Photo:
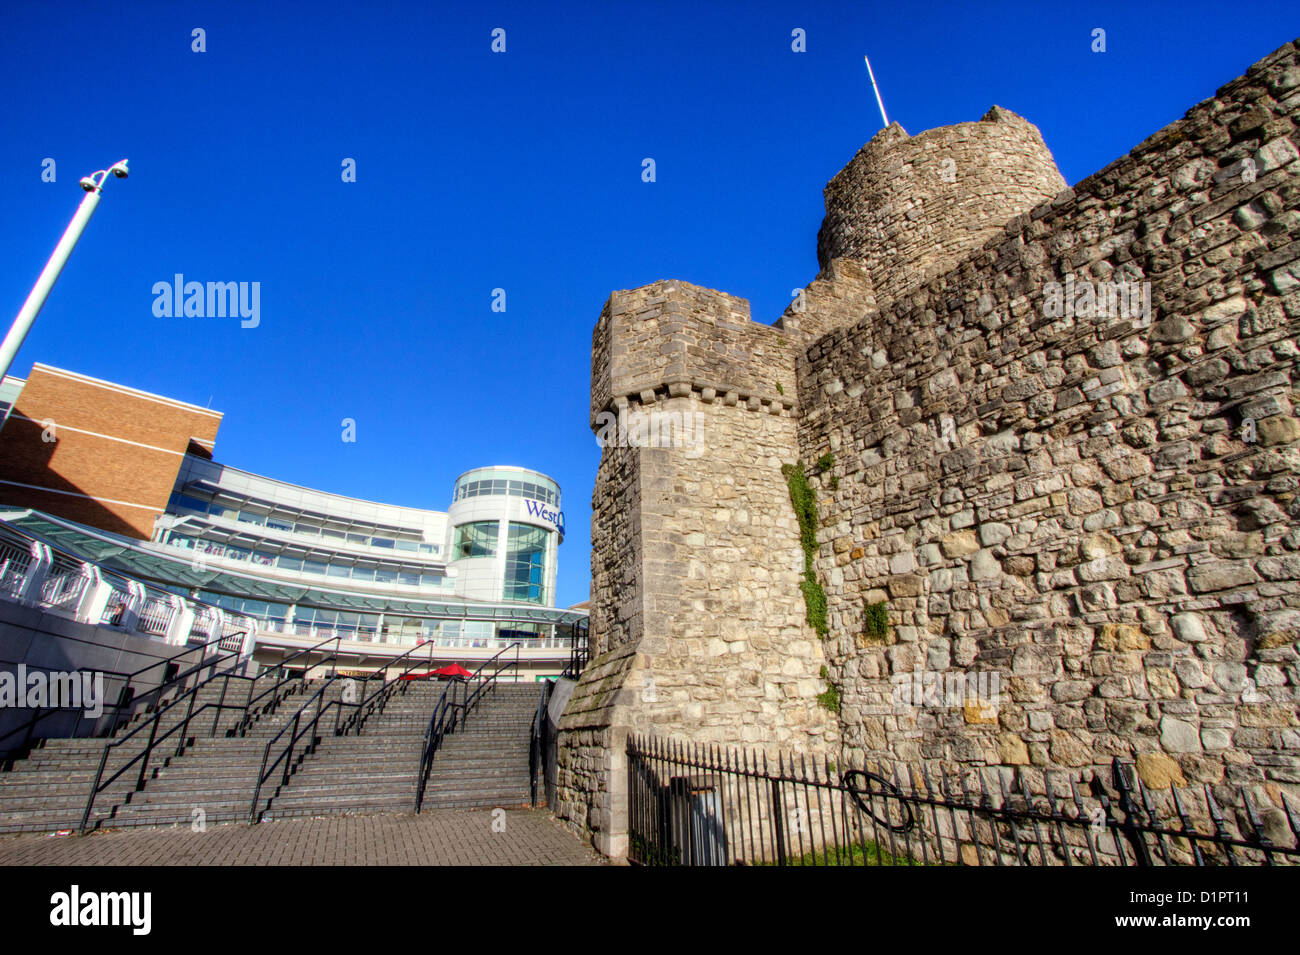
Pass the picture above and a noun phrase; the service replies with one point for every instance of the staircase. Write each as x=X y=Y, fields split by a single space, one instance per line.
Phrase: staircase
x=485 y=763
x=47 y=791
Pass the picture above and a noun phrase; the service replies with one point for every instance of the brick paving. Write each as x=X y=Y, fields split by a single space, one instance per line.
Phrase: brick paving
x=435 y=837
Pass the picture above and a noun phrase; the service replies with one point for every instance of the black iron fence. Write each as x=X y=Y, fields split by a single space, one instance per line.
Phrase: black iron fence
x=692 y=804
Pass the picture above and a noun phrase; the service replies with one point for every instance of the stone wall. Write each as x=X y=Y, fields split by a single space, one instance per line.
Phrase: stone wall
x=1064 y=467
x=911 y=208
x=1101 y=509
x=697 y=621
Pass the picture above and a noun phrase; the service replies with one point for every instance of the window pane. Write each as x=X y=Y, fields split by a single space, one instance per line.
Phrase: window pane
x=475 y=540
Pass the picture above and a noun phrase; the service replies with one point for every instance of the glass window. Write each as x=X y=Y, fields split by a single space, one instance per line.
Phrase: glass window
x=384 y=575
x=307 y=529
x=432 y=580
x=358 y=539
x=189 y=503
x=314 y=566
x=248 y=517
x=382 y=542
x=407 y=545
x=339 y=570
x=525 y=563
x=475 y=540
x=408 y=577
x=279 y=524
x=289 y=563
x=363 y=573
x=333 y=534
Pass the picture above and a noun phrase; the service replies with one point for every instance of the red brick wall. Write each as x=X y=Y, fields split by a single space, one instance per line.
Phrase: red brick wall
x=109 y=484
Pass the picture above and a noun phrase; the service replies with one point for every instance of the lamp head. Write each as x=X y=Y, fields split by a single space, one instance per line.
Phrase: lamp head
x=120 y=170
x=88 y=184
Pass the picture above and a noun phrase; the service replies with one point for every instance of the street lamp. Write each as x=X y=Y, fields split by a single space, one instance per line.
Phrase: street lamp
x=94 y=186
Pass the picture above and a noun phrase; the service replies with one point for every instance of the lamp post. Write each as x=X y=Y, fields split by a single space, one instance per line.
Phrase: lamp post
x=94 y=185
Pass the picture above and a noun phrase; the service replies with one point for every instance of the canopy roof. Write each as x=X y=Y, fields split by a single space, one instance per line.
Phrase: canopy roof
x=152 y=563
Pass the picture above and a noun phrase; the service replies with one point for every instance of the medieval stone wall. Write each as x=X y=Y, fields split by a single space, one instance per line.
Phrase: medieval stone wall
x=1064 y=471
x=1099 y=506
x=911 y=208
x=697 y=621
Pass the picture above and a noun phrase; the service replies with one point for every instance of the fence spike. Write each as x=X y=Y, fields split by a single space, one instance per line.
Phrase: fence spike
x=1291 y=819
x=1260 y=837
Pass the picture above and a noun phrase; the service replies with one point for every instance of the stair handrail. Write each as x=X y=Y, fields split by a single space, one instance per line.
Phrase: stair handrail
x=286 y=754
x=448 y=714
x=377 y=699
x=281 y=680
x=539 y=741
x=125 y=695
x=362 y=710
x=155 y=740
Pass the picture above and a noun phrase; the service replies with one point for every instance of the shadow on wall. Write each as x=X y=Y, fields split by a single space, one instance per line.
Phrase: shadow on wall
x=26 y=458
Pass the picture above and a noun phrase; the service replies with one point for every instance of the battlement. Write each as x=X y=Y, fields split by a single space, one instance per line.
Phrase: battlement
x=1050 y=433
x=672 y=339
x=910 y=208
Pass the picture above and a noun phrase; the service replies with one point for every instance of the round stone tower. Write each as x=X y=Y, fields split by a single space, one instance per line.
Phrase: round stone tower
x=912 y=207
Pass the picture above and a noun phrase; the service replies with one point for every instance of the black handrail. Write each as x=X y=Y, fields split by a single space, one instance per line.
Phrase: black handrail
x=356 y=721
x=579 y=651
x=448 y=714
x=125 y=695
x=281 y=680
x=372 y=702
x=100 y=784
x=287 y=753
x=539 y=743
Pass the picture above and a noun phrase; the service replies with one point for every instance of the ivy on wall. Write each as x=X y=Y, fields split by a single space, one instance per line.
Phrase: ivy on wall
x=805 y=511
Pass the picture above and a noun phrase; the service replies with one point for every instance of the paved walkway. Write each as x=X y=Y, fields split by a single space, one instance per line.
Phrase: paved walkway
x=435 y=837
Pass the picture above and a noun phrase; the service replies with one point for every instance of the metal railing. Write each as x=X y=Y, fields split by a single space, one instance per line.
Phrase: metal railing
x=181 y=728
x=284 y=684
x=64 y=587
x=125 y=701
x=691 y=804
x=301 y=724
x=448 y=714
x=580 y=651
x=539 y=745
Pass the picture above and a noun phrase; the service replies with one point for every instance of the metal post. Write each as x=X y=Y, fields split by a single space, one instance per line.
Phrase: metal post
x=50 y=274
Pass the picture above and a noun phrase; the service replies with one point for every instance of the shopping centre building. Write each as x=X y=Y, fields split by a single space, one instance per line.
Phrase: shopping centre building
x=126 y=480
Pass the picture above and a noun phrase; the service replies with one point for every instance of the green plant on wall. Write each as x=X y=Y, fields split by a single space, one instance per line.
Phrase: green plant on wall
x=826 y=461
x=805 y=511
x=831 y=698
x=779 y=389
x=875 y=625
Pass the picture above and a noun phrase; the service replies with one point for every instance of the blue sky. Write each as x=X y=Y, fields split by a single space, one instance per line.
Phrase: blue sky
x=479 y=170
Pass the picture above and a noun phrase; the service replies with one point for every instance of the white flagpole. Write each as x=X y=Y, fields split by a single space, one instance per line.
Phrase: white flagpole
x=879 y=101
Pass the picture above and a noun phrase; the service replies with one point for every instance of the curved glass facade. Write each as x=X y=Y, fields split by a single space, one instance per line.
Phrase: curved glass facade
x=516 y=482
x=525 y=563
